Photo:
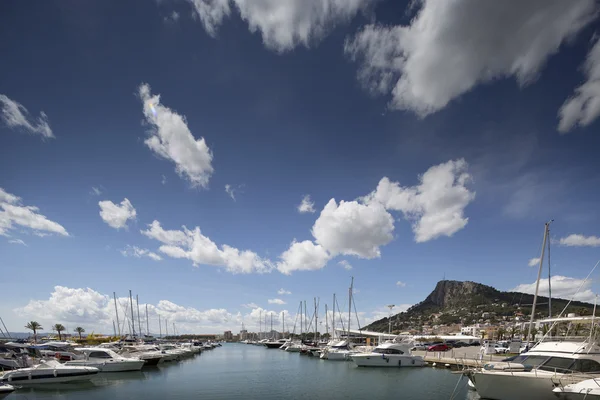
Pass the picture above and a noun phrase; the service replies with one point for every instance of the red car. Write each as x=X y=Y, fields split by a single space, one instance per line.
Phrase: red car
x=438 y=347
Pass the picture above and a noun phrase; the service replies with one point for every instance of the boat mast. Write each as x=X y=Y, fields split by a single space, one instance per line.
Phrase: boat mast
x=166 y=327
x=271 y=333
x=315 y=300
x=117 y=313
x=326 y=322
x=260 y=326
x=350 y=306
x=147 y=323
x=132 y=325
x=549 y=280
x=159 y=326
x=114 y=328
x=333 y=322
x=137 y=302
x=537 y=283
x=301 y=327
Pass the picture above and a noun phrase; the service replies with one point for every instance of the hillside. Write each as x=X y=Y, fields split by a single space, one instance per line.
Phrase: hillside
x=465 y=302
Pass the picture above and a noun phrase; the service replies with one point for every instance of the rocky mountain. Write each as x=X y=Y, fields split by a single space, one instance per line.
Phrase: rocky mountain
x=466 y=302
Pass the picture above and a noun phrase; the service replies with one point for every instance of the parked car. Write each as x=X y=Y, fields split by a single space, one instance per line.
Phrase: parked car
x=438 y=347
x=419 y=347
x=474 y=344
x=499 y=349
x=460 y=344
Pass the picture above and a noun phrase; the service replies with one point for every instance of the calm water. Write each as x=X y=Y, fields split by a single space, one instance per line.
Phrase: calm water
x=252 y=372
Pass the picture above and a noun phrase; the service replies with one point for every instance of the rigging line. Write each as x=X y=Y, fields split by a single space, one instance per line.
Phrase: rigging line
x=340 y=313
x=356 y=313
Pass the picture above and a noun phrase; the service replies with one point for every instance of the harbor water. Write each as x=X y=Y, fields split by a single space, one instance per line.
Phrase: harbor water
x=255 y=372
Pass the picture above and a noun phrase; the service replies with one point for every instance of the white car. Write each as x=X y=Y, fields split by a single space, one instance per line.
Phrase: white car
x=499 y=349
x=420 y=347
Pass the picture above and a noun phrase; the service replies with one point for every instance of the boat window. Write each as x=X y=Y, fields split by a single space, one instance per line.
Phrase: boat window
x=515 y=359
x=583 y=365
x=99 y=354
x=534 y=361
x=558 y=364
x=388 y=351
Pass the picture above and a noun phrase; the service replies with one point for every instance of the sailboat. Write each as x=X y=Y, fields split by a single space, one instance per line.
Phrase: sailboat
x=534 y=374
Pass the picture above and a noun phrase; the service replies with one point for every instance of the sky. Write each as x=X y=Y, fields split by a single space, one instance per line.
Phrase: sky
x=228 y=159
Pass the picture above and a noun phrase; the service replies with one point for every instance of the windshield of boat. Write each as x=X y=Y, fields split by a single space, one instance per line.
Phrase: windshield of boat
x=558 y=364
x=388 y=351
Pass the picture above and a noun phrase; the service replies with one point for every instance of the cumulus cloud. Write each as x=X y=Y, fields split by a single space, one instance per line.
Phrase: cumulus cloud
x=17 y=241
x=14 y=213
x=533 y=262
x=194 y=246
x=303 y=256
x=345 y=264
x=580 y=240
x=171 y=139
x=584 y=106
x=435 y=206
x=450 y=47
x=400 y=284
x=306 y=205
x=276 y=301
x=352 y=228
x=14 y=115
x=116 y=216
x=250 y=305
x=95 y=312
x=563 y=287
x=282 y=291
x=134 y=251
x=283 y=24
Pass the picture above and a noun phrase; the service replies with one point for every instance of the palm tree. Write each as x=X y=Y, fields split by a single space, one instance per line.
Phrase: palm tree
x=59 y=328
x=500 y=333
x=513 y=331
x=79 y=330
x=34 y=326
x=534 y=332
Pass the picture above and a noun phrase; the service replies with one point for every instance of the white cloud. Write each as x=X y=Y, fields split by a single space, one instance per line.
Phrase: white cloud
x=452 y=46
x=400 y=284
x=436 y=206
x=173 y=17
x=534 y=262
x=171 y=139
x=303 y=256
x=282 y=291
x=13 y=213
x=580 y=240
x=14 y=116
x=384 y=312
x=17 y=241
x=95 y=312
x=584 y=106
x=276 y=301
x=250 y=305
x=164 y=180
x=134 y=251
x=194 y=246
x=563 y=287
x=345 y=264
x=353 y=228
x=117 y=216
x=232 y=191
x=283 y=24
x=95 y=191
x=306 y=206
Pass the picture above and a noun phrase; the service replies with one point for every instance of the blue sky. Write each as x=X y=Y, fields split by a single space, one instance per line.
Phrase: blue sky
x=123 y=122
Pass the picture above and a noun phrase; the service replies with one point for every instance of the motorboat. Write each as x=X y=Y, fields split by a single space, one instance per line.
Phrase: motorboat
x=5 y=389
x=338 y=351
x=149 y=354
x=556 y=359
x=14 y=358
x=106 y=360
x=62 y=351
x=389 y=354
x=588 y=389
x=179 y=353
x=195 y=347
x=294 y=347
x=48 y=371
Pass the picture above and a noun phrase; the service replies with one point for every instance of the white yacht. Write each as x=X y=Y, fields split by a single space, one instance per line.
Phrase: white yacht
x=584 y=390
x=389 y=354
x=536 y=372
x=148 y=353
x=50 y=371
x=5 y=389
x=106 y=360
x=339 y=351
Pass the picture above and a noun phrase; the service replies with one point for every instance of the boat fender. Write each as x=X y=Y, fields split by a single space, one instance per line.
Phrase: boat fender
x=413 y=362
x=55 y=373
x=57 y=355
x=10 y=378
x=29 y=376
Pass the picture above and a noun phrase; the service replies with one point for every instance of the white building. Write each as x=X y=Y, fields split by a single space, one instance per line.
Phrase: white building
x=473 y=330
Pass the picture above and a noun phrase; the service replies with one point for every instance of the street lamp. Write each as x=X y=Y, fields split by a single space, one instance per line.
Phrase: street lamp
x=390 y=306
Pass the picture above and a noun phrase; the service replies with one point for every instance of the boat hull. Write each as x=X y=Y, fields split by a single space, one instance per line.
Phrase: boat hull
x=273 y=345
x=111 y=365
x=387 y=360
x=24 y=379
x=508 y=386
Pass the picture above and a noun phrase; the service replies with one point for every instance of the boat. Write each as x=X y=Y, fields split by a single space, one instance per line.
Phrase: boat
x=275 y=344
x=294 y=347
x=105 y=360
x=5 y=389
x=48 y=371
x=389 y=354
x=338 y=351
x=148 y=353
x=588 y=389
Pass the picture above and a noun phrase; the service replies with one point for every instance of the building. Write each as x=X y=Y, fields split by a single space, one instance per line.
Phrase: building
x=228 y=336
x=473 y=330
x=243 y=334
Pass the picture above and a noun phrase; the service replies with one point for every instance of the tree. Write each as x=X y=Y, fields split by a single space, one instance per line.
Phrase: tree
x=79 y=330
x=500 y=333
x=34 y=326
x=512 y=331
x=534 y=332
x=59 y=328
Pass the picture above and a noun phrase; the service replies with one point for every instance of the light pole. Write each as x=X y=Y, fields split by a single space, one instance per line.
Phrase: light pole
x=390 y=306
